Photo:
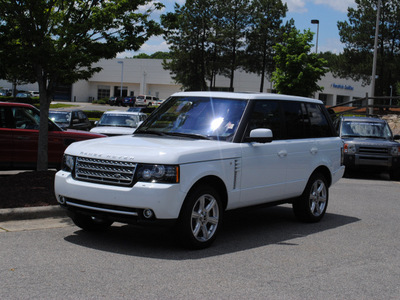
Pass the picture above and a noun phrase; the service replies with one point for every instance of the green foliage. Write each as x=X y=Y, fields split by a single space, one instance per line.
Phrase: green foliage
x=297 y=70
x=186 y=30
x=156 y=55
x=358 y=35
x=212 y=37
x=265 y=30
x=100 y=101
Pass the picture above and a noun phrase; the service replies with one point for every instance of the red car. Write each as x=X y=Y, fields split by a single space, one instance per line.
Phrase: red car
x=19 y=133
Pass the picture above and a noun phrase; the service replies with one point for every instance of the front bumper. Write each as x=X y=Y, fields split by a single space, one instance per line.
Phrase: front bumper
x=356 y=161
x=164 y=200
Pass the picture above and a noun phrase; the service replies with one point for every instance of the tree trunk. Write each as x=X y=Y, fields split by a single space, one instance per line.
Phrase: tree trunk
x=42 y=159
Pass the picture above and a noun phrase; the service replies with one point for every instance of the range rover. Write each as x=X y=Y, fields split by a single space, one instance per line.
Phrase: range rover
x=200 y=154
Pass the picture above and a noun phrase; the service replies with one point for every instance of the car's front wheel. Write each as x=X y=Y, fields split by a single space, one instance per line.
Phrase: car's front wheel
x=311 y=205
x=200 y=218
x=90 y=223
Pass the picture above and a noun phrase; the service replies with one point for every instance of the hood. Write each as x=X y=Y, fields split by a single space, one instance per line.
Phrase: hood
x=113 y=130
x=371 y=142
x=155 y=149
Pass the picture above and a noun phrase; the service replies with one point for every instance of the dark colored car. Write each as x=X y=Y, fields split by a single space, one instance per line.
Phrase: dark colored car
x=73 y=119
x=117 y=101
x=19 y=132
x=129 y=101
x=369 y=145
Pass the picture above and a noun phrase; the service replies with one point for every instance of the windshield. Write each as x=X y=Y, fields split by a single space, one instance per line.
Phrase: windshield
x=60 y=117
x=119 y=120
x=366 y=129
x=201 y=117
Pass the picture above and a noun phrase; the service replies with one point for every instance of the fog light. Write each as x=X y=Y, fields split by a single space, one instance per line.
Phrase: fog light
x=62 y=199
x=148 y=213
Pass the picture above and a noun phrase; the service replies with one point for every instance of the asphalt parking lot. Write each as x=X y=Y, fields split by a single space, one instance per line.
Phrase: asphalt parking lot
x=353 y=253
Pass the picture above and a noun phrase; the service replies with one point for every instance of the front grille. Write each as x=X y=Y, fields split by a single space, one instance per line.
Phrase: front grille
x=102 y=171
x=373 y=150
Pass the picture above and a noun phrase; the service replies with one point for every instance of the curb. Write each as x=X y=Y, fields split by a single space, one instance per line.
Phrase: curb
x=26 y=213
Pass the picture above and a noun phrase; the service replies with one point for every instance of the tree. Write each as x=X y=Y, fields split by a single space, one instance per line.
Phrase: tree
x=297 y=70
x=58 y=42
x=235 y=25
x=186 y=31
x=358 y=35
x=264 y=32
x=205 y=38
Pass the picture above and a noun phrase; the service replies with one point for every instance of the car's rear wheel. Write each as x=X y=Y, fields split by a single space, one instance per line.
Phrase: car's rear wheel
x=90 y=223
x=200 y=218
x=311 y=205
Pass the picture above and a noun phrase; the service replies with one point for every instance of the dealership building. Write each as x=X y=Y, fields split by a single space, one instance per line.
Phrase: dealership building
x=147 y=77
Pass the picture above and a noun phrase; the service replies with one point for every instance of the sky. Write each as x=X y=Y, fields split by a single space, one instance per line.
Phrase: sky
x=328 y=12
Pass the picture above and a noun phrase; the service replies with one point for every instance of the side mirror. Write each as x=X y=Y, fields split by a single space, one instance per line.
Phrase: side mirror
x=396 y=137
x=260 y=135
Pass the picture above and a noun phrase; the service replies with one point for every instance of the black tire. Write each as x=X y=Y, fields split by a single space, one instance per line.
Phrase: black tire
x=90 y=223
x=312 y=204
x=200 y=218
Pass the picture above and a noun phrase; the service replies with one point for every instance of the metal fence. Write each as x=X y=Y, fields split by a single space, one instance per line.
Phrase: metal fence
x=369 y=106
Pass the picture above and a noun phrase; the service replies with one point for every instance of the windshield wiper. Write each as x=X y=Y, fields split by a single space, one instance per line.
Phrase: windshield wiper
x=189 y=135
x=153 y=132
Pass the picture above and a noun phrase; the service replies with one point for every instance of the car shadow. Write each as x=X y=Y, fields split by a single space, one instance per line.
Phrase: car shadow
x=365 y=175
x=242 y=230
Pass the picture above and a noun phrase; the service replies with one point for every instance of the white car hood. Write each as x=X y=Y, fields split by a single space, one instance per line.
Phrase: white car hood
x=113 y=130
x=154 y=149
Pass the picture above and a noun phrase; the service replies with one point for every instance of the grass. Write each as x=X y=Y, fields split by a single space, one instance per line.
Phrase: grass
x=60 y=105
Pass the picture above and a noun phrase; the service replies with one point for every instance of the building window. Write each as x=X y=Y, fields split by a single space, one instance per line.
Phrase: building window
x=323 y=98
x=103 y=91
x=340 y=99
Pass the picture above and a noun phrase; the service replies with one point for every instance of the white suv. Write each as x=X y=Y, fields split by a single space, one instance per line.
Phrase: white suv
x=200 y=154
x=146 y=100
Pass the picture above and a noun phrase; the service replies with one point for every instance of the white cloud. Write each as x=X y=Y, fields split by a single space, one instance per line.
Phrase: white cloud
x=341 y=5
x=153 y=45
x=299 y=6
x=296 y=6
x=333 y=45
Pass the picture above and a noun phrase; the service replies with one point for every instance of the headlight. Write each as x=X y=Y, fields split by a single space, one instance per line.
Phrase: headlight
x=68 y=163
x=395 y=151
x=157 y=173
x=349 y=148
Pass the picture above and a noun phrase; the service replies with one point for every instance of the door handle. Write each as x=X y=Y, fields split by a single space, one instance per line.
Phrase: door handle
x=282 y=153
x=314 y=150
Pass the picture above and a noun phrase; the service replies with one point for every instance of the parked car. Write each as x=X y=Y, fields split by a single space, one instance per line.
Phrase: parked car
x=70 y=118
x=201 y=154
x=146 y=100
x=129 y=101
x=117 y=101
x=369 y=145
x=118 y=122
x=136 y=109
x=19 y=132
x=5 y=92
x=23 y=95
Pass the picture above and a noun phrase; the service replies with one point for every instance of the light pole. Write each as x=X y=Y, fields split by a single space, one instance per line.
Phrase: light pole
x=316 y=44
x=122 y=76
x=373 y=77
